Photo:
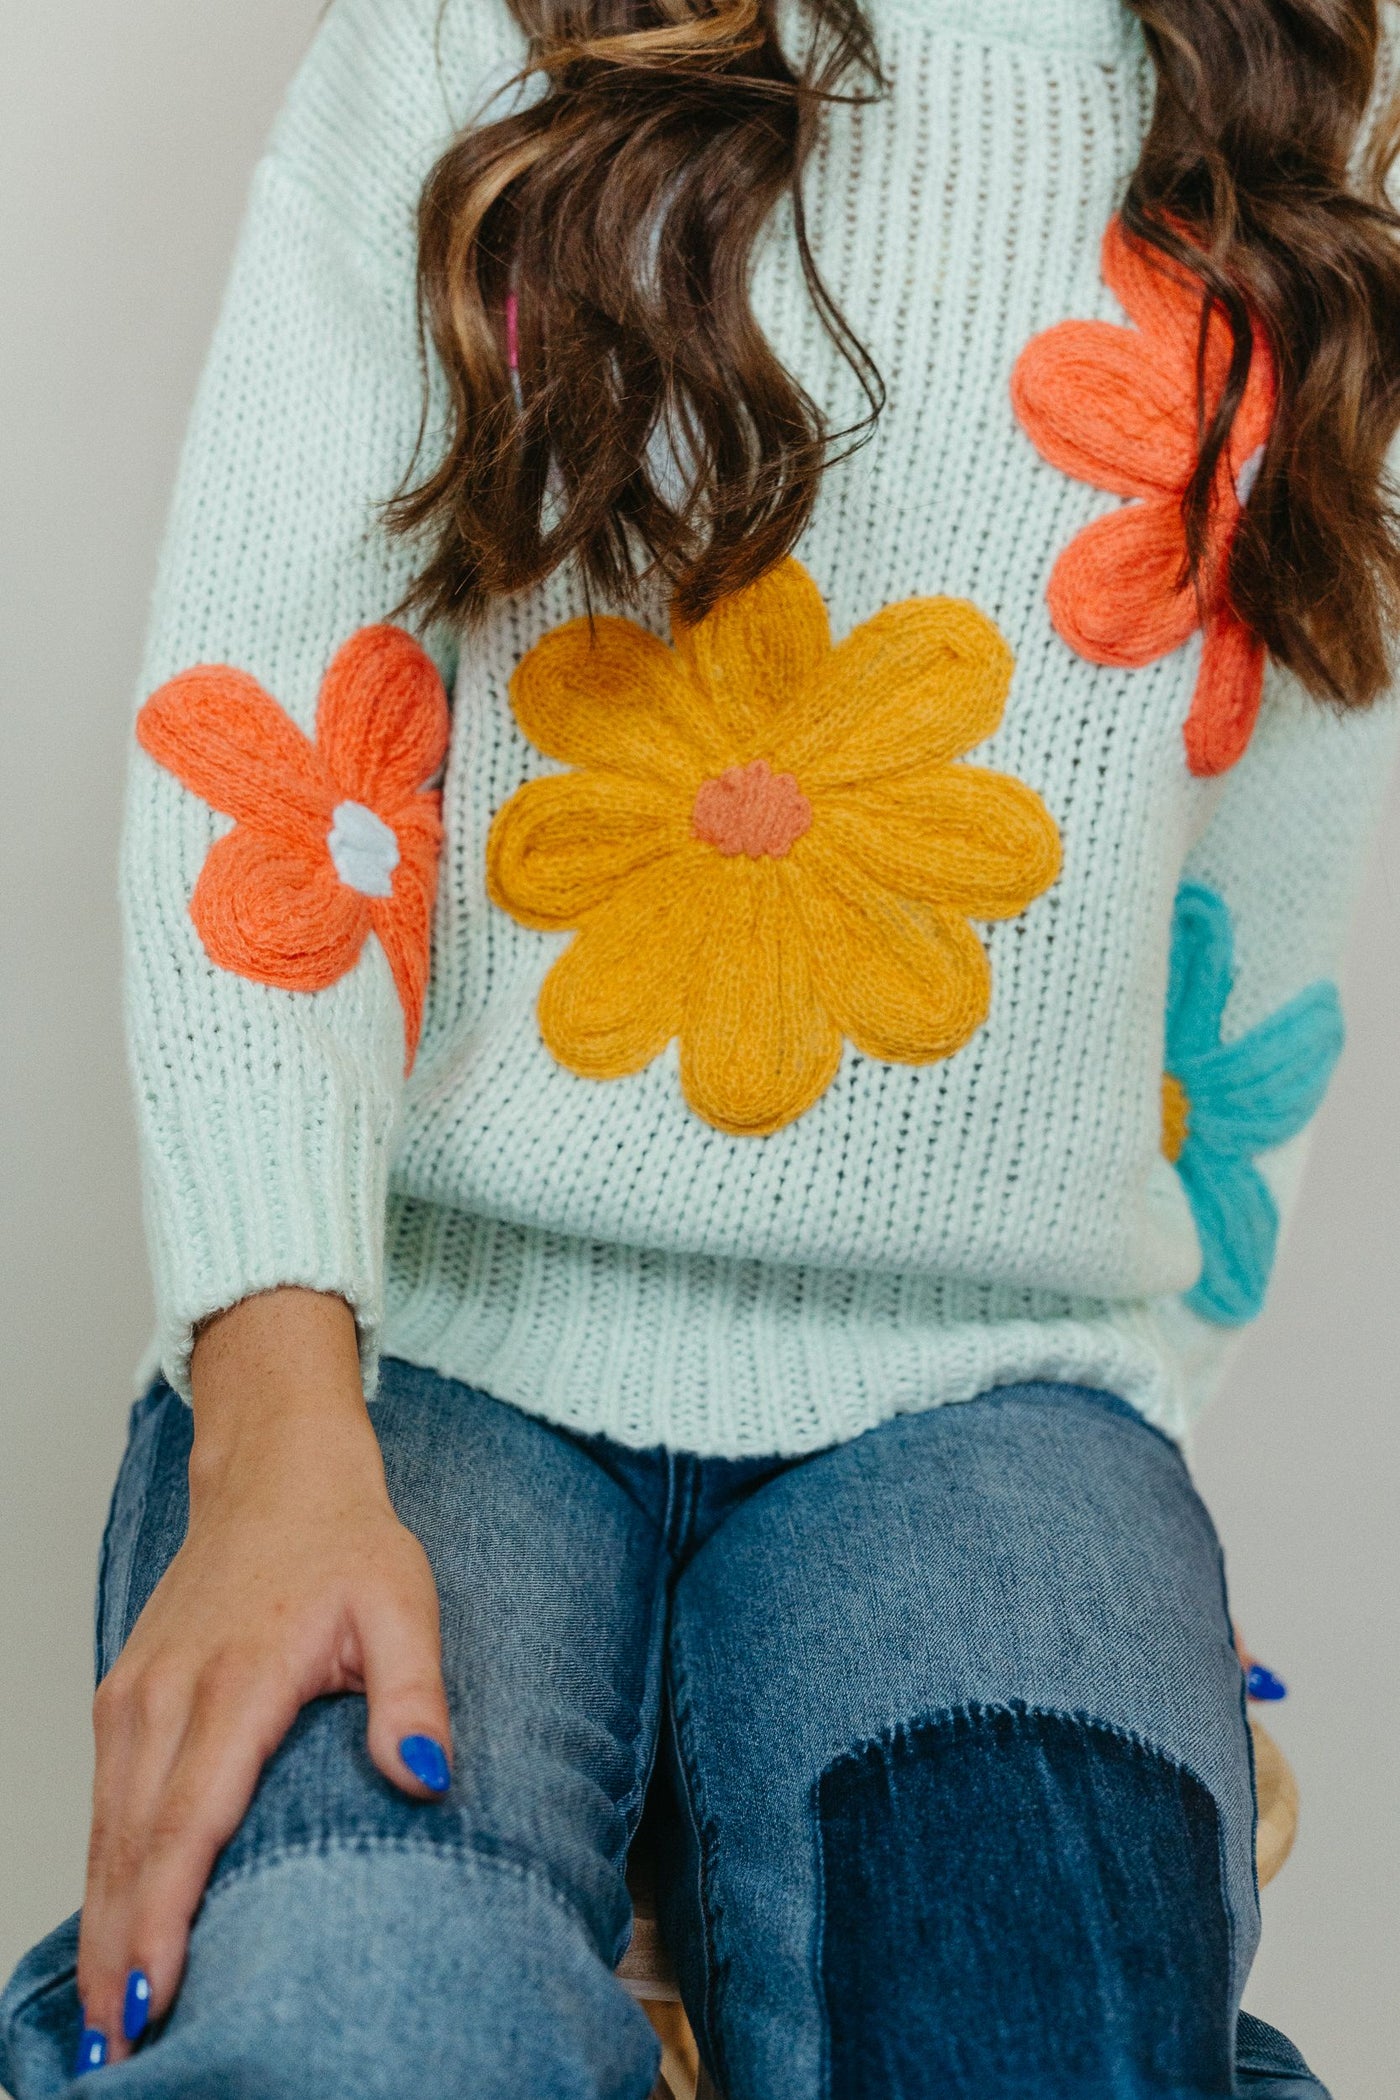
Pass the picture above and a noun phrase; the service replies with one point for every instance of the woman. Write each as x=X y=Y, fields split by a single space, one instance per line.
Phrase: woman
x=895 y=489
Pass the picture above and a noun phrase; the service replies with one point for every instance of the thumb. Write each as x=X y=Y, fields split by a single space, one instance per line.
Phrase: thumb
x=410 y=1729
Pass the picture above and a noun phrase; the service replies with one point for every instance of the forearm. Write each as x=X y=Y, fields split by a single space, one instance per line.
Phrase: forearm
x=295 y=1581
x=276 y=1374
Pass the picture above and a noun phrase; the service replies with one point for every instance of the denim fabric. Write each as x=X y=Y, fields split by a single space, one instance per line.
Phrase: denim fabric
x=934 y=1707
x=970 y=1845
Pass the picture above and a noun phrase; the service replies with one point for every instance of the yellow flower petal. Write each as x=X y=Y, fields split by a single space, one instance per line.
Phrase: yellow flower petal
x=606 y=693
x=958 y=836
x=757 y=1044
x=1176 y=1117
x=905 y=981
x=759 y=650
x=761 y=966
x=922 y=681
x=617 y=994
x=561 y=846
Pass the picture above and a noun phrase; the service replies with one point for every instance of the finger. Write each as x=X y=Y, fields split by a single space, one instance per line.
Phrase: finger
x=241 y=1712
x=1260 y=1682
x=410 y=1729
x=140 y=1718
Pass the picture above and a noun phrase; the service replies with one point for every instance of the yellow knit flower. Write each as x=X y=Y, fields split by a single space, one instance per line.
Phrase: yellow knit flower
x=765 y=845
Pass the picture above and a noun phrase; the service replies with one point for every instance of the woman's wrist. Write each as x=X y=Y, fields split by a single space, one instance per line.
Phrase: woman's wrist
x=276 y=1376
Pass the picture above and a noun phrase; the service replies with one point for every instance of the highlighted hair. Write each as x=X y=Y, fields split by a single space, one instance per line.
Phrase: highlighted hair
x=618 y=213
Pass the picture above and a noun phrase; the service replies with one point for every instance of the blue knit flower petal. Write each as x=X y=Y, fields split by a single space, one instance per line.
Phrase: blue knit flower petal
x=1237 y=1221
x=1260 y=1091
x=1200 y=973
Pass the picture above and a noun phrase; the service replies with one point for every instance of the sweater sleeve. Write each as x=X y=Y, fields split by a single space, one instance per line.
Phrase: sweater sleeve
x=268 y=1115
x=1256 y=1006
x=1255 y=1013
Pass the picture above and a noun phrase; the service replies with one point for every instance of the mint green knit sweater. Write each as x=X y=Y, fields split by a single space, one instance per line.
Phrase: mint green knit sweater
x=774 y=1077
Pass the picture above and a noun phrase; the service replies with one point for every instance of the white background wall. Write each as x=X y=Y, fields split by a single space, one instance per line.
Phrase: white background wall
x=126 y=137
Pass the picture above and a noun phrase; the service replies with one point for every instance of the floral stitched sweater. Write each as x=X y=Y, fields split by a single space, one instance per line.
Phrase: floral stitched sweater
x=914 y=978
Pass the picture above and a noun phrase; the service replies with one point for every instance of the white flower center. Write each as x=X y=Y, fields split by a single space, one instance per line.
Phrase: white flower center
x=1248 y=475
x=364 y=849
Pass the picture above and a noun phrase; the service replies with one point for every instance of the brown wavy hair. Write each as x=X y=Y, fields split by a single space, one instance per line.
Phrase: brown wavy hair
x=618 y=213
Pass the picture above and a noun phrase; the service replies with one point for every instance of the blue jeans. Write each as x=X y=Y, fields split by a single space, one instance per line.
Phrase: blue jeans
x=955 y=1736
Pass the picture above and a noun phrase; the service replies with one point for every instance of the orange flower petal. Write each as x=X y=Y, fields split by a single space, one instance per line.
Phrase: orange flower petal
x=617 y=994
x=1118 y=595
x=607 y=694
x=382 y=719
x=1102 y=405
x=1115 y=594
x=957 y=836
x=228 y=741
x=1166 y=302
x=1225 y=705
x=276 y=914
x=561 y=845
x=906 y=982
x=756 y=652
x=1159 y=297
x=404 y=922
x=923 y=680
x=758 y=1046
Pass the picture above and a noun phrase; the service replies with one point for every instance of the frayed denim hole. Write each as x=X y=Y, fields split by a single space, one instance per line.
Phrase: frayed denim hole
x=1020 y=1901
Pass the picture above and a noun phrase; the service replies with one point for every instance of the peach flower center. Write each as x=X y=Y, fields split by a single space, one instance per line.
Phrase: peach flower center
x=751 y=809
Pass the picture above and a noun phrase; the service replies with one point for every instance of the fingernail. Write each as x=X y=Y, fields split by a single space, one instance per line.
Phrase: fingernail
x=427 y=1761
x=136 y=2010
x=1262 y=1684
x=92 y=2052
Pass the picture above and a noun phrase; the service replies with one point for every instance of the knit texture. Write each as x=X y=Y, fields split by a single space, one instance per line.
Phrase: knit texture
x=795 y=1045
x=1225 y=1103
x=335 y=839
x=1118 y=407
x=761 y=917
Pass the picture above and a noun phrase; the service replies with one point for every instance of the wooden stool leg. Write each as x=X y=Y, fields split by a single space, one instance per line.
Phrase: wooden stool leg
x=1278 y=1803
x=647 y=1972
x=680 y=2059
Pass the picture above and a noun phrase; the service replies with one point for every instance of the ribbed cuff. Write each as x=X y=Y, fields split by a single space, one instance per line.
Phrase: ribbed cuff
x=274 y=1172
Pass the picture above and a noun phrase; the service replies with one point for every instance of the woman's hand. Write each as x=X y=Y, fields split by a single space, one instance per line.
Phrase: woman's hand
x=296 y=1579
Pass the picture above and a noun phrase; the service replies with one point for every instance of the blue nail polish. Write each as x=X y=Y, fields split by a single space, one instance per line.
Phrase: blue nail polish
x=92 y=2052
x=427 y=1761
x=136 y=2010
x=1262 y=1684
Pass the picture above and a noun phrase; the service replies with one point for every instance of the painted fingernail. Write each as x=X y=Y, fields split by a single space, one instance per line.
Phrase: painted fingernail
x=1262 y=1684
x=427 y=1761
x=136 y=2008
x=92 y=2052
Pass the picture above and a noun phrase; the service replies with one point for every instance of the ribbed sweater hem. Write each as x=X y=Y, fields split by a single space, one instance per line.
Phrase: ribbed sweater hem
x=731 y=1359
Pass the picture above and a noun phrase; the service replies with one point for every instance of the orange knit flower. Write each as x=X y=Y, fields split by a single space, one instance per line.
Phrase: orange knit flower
x=765 y=845
x=333 y=840
x=1117 y=407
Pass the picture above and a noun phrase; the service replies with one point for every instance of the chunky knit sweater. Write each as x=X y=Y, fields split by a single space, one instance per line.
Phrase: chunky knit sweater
x=915 y=978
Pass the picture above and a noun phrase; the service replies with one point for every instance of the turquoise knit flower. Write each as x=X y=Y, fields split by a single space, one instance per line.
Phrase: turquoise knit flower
x=1224 y=1102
